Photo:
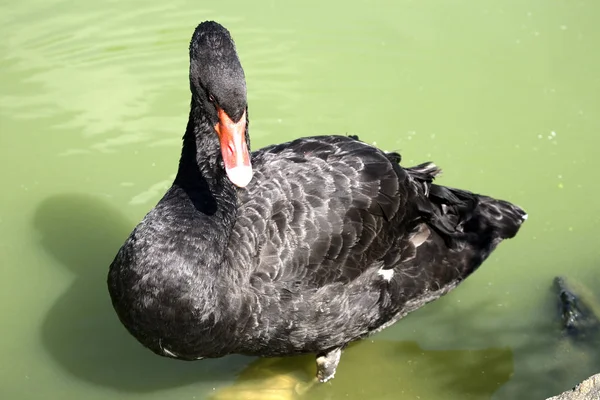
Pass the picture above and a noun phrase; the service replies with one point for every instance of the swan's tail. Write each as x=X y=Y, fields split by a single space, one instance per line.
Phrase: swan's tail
x=470 y=224
x=462 y=213
x=455 y=232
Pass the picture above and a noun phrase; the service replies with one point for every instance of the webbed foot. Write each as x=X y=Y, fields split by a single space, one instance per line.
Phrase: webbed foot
x=327 y=364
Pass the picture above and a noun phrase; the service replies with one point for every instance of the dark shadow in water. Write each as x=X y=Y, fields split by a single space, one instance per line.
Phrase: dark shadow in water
x=81 y=330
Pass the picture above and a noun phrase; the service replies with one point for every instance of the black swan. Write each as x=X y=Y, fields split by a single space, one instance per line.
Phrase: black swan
x=300 y=247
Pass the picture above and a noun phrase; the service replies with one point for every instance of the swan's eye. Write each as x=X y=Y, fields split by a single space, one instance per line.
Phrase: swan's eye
x=211 y=98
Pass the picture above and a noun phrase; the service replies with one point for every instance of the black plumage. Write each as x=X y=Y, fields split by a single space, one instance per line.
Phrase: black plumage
x=331 y=241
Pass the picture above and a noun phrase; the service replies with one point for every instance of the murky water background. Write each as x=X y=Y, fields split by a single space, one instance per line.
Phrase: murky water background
x=503 y=95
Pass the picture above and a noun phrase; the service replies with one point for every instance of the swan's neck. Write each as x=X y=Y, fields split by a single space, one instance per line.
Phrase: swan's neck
x=201 y=179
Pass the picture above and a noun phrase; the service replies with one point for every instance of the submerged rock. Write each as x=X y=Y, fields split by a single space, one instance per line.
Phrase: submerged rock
x=579 y=313
x=579 y=310
x=586 y=390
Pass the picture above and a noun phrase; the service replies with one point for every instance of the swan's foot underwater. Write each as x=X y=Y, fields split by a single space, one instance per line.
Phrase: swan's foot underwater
x=327 y=364
x=302 y=388
x=285 y=378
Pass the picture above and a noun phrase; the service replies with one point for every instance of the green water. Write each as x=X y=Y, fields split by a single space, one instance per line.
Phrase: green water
x=94 y=99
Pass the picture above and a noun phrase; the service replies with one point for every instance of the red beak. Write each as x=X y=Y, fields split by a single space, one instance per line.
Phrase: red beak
x=234 y=150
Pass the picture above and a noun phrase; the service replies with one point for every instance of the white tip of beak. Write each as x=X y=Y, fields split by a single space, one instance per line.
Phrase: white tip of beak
x=240 y=176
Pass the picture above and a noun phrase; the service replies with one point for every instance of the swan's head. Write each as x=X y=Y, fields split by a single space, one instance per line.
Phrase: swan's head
x=218 y=85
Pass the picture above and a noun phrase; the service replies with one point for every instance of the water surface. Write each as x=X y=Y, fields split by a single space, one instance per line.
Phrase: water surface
x=94 y=101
